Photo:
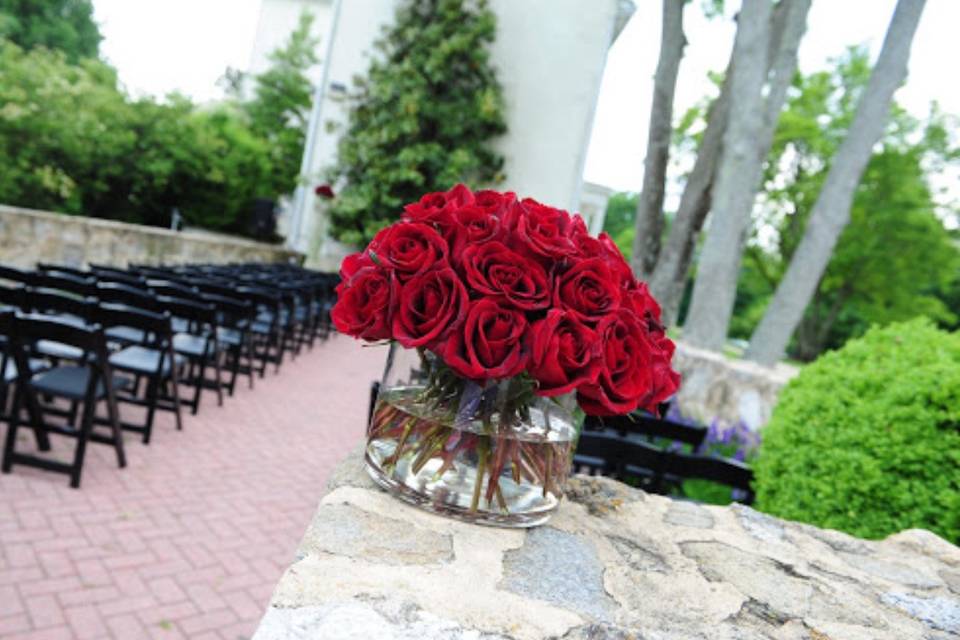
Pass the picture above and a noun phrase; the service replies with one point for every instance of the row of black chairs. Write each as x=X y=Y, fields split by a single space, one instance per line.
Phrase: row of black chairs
x=656 y=454
x=74 y=339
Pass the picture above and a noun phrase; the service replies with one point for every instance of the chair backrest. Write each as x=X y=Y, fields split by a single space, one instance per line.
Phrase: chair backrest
x=62 y=270
x=156 y=327
x=12 y=297
x=28 y=329
x=12 y=274
x=200 y=315
x=265 y=299
x=65 y=282
x=48 y=302
x=648 y=426
x=231 y=312
x=117 y=276
x=173 y=289
x=725 y=471
x=118 y=293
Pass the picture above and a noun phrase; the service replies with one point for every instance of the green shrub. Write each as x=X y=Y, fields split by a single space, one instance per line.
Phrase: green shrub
x=867 y=439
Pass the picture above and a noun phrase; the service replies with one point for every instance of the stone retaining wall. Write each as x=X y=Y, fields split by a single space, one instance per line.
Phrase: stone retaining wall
x=614 y=563
x=28 y=236
x=715 y=386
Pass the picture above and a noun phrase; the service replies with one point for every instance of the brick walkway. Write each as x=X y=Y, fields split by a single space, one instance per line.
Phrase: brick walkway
x=189 y=540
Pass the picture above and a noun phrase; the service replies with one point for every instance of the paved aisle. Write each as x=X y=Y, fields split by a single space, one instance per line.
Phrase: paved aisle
x=188 y=540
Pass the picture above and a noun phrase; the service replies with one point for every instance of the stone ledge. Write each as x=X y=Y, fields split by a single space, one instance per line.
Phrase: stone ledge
x=614 y=563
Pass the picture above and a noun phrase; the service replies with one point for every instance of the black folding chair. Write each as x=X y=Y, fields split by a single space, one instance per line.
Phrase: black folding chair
x=198 y=343
x=8 y=364
x=74 y=311
x=151 y=359
x=234 y=318
x=88 y=382
x=266 y=328
x=131 y=298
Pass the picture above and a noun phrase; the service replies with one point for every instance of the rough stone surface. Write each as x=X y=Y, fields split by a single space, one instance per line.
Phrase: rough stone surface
x=613 y=564
x=28 y=236
x=715 y=386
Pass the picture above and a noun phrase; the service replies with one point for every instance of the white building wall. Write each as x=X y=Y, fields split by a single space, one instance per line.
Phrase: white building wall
x=550 y=56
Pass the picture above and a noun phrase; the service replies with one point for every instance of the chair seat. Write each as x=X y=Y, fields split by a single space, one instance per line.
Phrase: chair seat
x=137 y=359
x=179 y=325
x=230 y=337
x=10 y=371
x=58 y=350
x=190 y=345
x=262 y=328
x=124 y=334
x=71 y=382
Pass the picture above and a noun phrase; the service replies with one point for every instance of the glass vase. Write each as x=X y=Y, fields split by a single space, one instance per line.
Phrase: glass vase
x=489 y=453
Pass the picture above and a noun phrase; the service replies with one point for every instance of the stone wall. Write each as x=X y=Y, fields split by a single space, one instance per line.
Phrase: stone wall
x=614 y=563
x=28 y=236
x=715 y=386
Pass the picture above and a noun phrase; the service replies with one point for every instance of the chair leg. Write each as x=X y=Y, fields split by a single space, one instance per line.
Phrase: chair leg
x=33 y=410
x=234 y=368
x=217 y=357
x=174 y=385
x=10 y=443
x=153 y=387
x=78 y=456
x=198 y=383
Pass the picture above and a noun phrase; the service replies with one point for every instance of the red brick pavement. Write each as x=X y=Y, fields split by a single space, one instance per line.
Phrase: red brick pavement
x=189 y=540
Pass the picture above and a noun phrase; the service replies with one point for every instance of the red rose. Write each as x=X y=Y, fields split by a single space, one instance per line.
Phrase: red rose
x=495 y=271
x=491 y=344
x=476 y=225
x=324 y=191
x=542 y=230
x=634 y=371
x=437 y=209
x=564 y=354
x=644 y=305
x=493 y=202
x=585 y=245
x=353 y=263
x=408 y=248
x=364 y=303
x=429 y=305
x=590 y=290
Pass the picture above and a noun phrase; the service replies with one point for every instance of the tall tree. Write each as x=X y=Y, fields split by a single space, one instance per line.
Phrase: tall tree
x=831 y=213
x=423 y=118
x=280 y=106
x=66 y=25
x=669 y=277
x=737 y=179
x=649 y=219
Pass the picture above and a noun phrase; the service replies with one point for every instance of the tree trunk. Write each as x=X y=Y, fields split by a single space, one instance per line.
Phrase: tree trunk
x=737 y=177
x=649 y=220
x=831 y=213
x=669 y=278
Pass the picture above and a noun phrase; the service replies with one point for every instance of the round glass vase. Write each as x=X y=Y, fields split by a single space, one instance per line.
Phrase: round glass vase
x=492 y=454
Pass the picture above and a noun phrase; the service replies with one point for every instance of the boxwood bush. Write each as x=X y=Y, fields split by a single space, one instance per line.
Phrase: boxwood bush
x=867 y=438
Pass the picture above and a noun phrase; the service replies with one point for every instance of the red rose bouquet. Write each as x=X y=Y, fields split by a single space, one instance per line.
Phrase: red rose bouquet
x=500 y=293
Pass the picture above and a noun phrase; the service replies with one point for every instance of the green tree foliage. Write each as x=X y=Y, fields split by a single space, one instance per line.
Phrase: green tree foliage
x=72 y=141
x=280 y=107
x=895 y=260
x=867 y=439
x=422 y=118
x=65 y=25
